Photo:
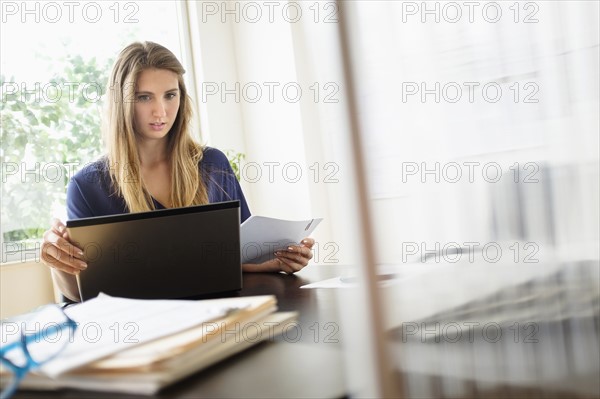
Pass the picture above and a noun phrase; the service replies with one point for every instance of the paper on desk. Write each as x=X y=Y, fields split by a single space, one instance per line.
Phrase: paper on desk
x=261 y=236
x=106 y=325
x=386 y=274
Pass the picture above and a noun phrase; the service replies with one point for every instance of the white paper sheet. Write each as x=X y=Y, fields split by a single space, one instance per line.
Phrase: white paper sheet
x=387 y=275
x=261 y=236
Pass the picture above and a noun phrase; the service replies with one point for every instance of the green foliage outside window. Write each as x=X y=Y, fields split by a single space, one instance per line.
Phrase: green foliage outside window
x=235 y=159
x=46 y=136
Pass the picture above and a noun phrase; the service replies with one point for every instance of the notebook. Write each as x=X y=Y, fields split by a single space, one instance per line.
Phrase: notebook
x=163 y=254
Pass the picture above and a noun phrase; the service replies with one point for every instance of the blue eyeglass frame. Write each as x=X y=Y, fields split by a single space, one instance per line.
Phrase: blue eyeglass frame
x=21 y=371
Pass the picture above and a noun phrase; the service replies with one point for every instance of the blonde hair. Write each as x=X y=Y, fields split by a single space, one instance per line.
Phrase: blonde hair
x=187 y=186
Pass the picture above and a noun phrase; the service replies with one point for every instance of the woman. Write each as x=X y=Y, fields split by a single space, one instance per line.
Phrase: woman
x=152 y=162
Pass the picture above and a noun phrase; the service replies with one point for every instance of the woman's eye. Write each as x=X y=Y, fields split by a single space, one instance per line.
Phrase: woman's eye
x=143 y=97
x=171 y=96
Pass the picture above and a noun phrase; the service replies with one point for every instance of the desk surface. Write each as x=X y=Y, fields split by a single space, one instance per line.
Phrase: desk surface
x=305 y=365
x=311 y=365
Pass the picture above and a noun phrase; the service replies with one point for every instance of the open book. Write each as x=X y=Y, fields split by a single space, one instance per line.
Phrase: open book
x=213 y=330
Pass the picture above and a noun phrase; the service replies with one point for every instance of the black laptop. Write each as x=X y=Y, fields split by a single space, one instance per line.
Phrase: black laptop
x=171 y=253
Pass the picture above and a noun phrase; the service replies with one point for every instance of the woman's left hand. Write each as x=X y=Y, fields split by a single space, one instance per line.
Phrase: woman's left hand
x=295 y=257
x=291 y=260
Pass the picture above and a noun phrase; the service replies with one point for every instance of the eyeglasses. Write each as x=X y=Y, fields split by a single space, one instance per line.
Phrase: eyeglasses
x=29 y=342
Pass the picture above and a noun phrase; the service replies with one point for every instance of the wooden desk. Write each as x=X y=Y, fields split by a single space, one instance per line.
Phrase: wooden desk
x=308 y=365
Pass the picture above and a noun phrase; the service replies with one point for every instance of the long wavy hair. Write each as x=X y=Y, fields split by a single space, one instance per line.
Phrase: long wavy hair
x=184 y=154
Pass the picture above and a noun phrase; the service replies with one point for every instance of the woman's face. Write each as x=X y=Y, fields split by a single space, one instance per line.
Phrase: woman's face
x=157 y=99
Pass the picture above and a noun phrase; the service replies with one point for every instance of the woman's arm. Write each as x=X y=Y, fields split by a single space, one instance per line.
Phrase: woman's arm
x=87 y=195
x=64 y=259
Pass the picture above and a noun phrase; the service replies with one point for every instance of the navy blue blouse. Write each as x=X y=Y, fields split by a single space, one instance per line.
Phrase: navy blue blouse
x=90 y=192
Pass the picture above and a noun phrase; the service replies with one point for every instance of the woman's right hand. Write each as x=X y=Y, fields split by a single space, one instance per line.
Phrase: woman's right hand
x=59 y=253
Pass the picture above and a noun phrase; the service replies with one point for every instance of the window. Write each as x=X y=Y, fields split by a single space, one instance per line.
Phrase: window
x=56 y=57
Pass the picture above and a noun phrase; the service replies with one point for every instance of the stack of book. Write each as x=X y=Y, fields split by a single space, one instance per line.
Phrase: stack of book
x=160 y=341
